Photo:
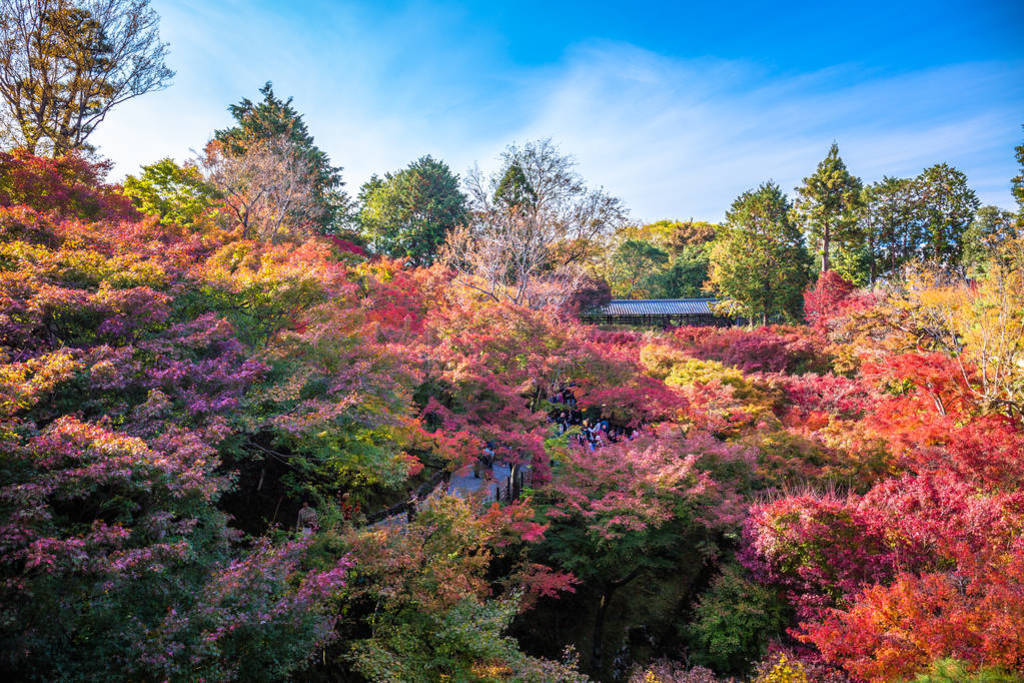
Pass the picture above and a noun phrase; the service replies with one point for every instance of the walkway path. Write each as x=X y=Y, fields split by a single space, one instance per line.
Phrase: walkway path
x=463 y=484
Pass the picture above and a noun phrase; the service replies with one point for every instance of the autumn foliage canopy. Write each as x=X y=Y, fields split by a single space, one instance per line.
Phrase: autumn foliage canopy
x=170 y=396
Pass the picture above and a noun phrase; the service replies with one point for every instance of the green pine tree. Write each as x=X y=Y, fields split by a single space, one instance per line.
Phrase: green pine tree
x=514 y=191
x=408 y=214
x=759 y=262
x=828 y=206
x=272 y=117
x=949 y=206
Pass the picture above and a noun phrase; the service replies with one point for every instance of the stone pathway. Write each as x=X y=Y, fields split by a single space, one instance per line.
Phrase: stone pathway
x=463 y=484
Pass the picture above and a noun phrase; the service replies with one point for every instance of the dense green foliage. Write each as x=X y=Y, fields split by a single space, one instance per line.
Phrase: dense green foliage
x=891 y=229
x=179 y=195
x=828 y=206
x=991 y=228
x=759 y=262
x=634 y=264
x=734 y=620
x=409 y=214
x=663 y=260
x=949 y=205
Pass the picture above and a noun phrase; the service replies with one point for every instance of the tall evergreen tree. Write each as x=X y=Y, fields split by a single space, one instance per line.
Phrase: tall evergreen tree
x=991 y=228
x=892 y=224
x=828 y=205
x=409 y=214
x=759 y=262
x=514 y=190
x=949 y=207
x=273 y=118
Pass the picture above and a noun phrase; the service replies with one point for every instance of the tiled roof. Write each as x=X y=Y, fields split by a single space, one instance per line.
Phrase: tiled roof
x=641 y=307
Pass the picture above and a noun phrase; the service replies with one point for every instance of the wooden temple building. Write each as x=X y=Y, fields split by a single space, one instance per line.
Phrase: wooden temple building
x=657 y=313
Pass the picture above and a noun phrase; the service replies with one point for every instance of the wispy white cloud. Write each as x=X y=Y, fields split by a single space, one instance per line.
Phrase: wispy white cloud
x=681 y=138
x=673 y=137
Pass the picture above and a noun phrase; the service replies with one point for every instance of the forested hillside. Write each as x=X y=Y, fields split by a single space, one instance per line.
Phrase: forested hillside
x=845 y=494
x=254 y=428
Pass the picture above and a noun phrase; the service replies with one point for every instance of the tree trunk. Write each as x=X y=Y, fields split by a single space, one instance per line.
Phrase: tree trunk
x=602 y=609
x=873 y=250
x=826 y=244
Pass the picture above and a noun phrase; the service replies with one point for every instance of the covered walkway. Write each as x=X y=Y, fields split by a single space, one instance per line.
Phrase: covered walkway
x=657 y=313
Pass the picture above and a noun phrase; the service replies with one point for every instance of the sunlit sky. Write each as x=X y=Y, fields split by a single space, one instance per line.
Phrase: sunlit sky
x=675 y=108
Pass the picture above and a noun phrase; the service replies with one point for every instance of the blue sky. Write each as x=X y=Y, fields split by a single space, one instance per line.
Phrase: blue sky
x=676 y=108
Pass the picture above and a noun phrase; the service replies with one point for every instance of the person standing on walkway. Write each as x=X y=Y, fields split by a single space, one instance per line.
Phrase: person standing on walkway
x=349 y=510
x=410 y=506
x=307 y=519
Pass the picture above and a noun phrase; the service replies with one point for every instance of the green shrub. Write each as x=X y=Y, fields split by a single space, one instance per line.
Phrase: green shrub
x=733 y=621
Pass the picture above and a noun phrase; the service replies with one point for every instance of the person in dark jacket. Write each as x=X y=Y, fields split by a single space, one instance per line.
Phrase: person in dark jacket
x=411 y=506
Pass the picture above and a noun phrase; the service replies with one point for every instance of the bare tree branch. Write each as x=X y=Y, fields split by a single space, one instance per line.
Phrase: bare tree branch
x=531 y=226
x=65 y=64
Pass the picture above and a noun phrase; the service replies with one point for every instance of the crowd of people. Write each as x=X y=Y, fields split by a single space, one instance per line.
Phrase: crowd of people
x=591 y=433
x=586 y=430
